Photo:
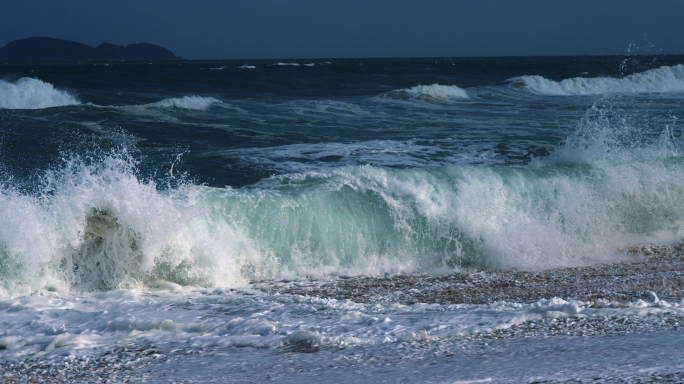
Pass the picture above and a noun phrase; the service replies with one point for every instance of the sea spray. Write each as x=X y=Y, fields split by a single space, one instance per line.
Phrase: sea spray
x=29 y=93
x=159 y=234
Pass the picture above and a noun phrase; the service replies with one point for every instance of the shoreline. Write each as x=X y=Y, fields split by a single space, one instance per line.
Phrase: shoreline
x=542 y=344
x=657 y=269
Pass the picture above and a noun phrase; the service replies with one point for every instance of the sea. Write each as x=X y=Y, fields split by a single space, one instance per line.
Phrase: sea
x=418 y=220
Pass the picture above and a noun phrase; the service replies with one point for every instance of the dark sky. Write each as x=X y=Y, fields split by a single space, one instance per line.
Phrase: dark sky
x=227 y=29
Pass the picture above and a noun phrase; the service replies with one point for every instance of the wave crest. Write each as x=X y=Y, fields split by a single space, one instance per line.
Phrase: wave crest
x=28 y=93
x=424 y=95
x=94 y=224
x=98 y=226
x=658 y=80
x=196 y=103
x=437 y=91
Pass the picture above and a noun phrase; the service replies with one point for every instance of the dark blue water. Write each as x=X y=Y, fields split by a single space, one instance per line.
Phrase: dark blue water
x=266 y=110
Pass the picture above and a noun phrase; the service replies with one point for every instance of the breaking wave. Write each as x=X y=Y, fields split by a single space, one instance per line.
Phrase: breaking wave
x=435 y=94
x=95 y=224
x=29 y=93
x=437 y=91
x=658 y=80
x=197 y=103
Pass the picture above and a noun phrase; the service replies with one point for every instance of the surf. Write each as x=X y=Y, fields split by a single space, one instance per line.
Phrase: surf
x=30 y=93
x=98 y=225
x=665 y=79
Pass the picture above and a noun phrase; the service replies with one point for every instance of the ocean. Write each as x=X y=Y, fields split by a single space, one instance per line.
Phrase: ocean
x=427 y=220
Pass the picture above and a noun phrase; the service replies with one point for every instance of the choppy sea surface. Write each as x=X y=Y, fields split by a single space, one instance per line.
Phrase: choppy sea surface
x=373 y=220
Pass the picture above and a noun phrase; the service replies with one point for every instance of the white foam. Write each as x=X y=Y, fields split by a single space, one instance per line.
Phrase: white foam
x=29 y=93
x=424 y=95
x=197 y=103
x=46 y=243
x=247 y=67
x=288 y=64
x=437 y=91
x=659 y=80
x=56 y=325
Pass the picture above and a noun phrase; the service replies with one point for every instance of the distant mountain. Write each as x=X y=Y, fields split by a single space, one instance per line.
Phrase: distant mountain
x=47 y=49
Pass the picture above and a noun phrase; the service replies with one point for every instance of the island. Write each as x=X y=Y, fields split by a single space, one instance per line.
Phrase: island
x=47 y=49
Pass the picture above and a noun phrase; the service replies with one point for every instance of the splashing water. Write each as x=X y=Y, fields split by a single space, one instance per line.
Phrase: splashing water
x=28 y=93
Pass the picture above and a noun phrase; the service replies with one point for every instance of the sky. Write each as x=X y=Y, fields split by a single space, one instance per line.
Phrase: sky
x=272 y=29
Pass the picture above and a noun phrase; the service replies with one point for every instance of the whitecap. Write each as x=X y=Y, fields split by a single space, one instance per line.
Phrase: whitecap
x=29 y=93
x=658 y=80
x=437 y=91
x=196 y=103
x=386 y=153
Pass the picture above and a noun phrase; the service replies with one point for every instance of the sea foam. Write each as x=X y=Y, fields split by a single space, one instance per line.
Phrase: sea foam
x=29 y=93
x=437 y=91
x=197 y=103
x=658 y=80
x=48 y=325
